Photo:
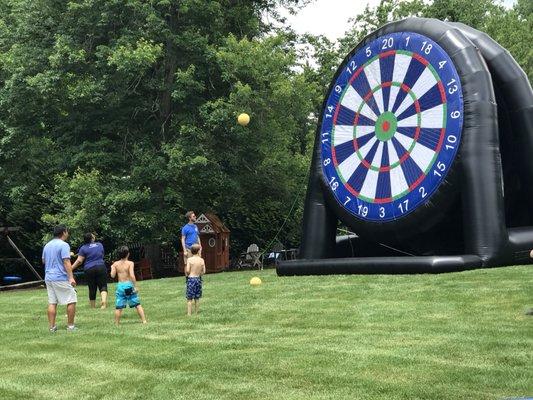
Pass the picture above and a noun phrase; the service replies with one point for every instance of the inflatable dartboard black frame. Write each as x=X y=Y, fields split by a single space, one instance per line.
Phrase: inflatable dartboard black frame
x=496 y=92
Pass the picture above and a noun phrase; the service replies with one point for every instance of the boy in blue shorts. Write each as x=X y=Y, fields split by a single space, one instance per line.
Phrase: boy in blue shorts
x=126 y=288
x=194 y=269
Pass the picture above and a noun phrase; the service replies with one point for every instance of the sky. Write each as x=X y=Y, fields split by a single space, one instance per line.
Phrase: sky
x=322 y=17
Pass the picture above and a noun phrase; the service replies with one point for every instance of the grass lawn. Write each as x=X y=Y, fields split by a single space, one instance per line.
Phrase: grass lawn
x=451 y=336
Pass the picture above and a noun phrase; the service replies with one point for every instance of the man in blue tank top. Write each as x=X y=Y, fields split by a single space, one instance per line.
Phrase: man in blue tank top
x=190 y=236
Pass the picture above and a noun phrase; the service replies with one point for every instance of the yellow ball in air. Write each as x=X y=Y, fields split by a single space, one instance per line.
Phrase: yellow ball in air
x=243 y=119
x=255 y=281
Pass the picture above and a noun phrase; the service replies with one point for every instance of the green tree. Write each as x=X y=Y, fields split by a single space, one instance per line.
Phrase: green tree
x=118 y=116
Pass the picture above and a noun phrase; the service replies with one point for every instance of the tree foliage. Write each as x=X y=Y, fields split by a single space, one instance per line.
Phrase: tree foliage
x=118 y=116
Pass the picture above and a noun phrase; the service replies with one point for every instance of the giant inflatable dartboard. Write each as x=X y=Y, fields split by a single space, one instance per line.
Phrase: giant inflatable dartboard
x=423 y=145
x=391 y=126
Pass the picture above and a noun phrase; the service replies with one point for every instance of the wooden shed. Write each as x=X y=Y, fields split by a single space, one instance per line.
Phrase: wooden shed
x=214 y=236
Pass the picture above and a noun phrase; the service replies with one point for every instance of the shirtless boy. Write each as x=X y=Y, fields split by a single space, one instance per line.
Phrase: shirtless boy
x=126 y=288
x=194 y=270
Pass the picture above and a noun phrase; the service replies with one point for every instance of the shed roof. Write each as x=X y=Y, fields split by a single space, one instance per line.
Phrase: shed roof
x=211 y=220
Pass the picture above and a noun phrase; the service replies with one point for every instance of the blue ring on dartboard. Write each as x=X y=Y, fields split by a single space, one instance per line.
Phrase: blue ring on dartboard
x=391 y=126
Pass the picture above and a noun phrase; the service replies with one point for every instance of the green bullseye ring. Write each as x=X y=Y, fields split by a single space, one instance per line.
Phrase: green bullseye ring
x=386 y=126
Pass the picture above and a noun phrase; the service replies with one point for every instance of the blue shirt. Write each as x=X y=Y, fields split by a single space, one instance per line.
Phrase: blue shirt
x=54 y=252
x=93 y=253
x=190 y=231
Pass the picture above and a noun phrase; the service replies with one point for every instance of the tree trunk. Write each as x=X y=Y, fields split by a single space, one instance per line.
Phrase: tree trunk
x=170 y=67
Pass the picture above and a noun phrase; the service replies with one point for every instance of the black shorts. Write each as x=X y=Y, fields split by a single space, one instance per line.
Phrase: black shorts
x=96 y=278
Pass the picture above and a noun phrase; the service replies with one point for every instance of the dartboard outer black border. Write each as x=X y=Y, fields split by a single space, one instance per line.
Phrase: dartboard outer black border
x=364 y=216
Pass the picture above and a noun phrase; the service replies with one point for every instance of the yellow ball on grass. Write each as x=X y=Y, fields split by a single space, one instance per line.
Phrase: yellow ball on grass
x=255 y=281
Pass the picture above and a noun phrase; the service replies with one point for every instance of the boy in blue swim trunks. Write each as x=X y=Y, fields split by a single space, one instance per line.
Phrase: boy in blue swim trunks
x=127 y=292
x=194 y=269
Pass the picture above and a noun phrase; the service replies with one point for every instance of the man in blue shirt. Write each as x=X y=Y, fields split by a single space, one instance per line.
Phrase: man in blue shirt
x=59 y=278
x=190 y=236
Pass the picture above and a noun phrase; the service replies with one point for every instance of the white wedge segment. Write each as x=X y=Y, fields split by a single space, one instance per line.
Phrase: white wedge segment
x=370 y=184
x=342 y=134
x=348 y=166
x=432 y=118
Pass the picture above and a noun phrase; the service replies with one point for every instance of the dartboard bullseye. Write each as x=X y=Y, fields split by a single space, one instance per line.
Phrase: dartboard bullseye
x=391 y=126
